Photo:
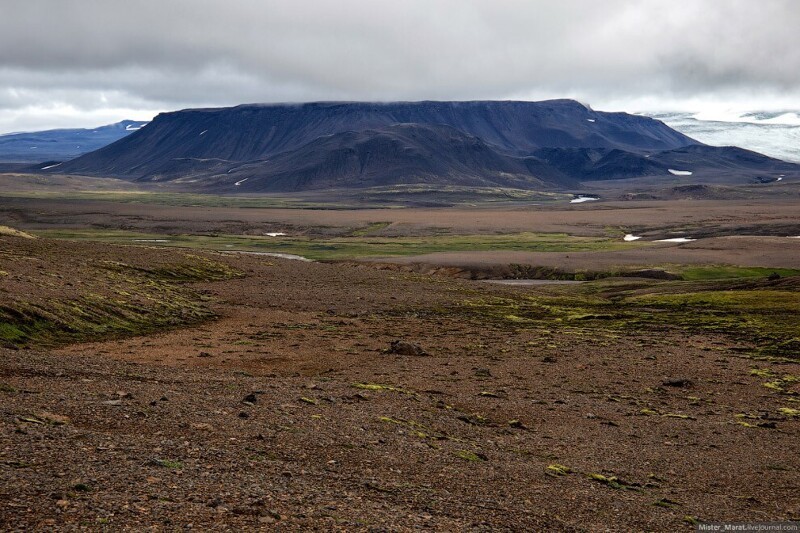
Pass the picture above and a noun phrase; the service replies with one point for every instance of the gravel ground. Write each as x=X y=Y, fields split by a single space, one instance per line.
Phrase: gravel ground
x=288 y=411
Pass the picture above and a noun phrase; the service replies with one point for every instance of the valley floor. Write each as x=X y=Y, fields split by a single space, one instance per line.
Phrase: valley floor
x=167 y=388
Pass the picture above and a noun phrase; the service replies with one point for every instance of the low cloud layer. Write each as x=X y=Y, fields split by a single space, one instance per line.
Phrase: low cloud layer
x=87 y=62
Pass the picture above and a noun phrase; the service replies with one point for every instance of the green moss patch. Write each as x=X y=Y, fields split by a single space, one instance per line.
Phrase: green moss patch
x=107 y=299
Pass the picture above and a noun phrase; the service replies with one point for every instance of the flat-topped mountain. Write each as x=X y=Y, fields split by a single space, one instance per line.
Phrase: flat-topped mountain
x=290 y=147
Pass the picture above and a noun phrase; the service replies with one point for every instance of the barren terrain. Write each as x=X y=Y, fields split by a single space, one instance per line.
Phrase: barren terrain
x=147 y=385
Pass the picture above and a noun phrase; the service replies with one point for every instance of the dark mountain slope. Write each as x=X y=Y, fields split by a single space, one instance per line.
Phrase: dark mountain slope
x=598 y=163
x=534 y=145
x=589 y=164
x=722 y=159
x=398 y=154
x=250 y=132
x=62 y=144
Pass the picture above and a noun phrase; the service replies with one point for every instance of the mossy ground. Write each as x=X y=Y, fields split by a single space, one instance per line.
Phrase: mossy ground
x=768 y=318
x=71 y=298
x=359 y=244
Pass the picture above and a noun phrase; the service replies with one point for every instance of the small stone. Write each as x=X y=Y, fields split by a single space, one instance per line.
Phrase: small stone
x=250 y=398
x=401 y=347
x=677 y=382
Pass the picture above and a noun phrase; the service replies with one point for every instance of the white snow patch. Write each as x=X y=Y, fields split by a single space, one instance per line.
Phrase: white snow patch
x=241 y=181
x=131 y=127
x=797 y=237
x=275 y=234
x=590 y=120
x=679 y=172
x=631 y=237
x=580 y=199
x=151 y=240
x=779 y=179
x=50 y=166
x=203 y=132
x=677 y=239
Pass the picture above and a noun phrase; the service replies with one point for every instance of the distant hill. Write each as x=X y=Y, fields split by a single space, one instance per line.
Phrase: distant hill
x=534 y=145
x=62 y=144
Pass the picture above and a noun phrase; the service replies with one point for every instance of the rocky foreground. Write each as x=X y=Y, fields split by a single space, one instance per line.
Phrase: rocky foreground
x=279 y=401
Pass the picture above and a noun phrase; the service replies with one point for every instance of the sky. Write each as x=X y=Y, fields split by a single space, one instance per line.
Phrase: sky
x=83 y=63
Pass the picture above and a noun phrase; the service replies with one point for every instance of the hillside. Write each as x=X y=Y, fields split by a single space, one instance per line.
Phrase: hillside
x=551 y=144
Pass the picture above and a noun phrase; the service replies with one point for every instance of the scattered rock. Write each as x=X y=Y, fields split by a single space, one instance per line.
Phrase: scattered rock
x=204 y=354
x=250 y=398
x=483 y=373
x=401 y=347
x=52 y=418
x=677 y=382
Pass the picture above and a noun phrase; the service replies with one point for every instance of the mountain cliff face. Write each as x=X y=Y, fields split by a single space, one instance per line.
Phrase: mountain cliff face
x=321 y=145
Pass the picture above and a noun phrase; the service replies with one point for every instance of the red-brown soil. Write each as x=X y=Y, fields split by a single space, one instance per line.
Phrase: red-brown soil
x=151 y=431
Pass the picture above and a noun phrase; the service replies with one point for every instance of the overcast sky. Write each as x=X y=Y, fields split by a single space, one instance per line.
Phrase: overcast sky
x=91 y=62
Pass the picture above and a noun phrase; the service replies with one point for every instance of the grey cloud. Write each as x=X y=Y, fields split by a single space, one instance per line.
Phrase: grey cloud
x=152 y=54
